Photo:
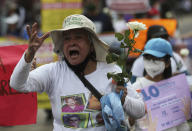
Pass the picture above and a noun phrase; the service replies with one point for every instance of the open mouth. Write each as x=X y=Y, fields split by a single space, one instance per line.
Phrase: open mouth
x=74 y=53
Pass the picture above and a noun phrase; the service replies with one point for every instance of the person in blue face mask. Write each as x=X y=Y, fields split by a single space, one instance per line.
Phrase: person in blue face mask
x=157 y=67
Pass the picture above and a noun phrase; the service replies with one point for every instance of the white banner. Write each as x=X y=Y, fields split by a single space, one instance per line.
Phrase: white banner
x=128 y=6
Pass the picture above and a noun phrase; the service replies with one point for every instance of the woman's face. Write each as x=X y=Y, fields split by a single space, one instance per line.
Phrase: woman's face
x=70 y=102
x=74 y=121
x=76 y=46
x=154 y=66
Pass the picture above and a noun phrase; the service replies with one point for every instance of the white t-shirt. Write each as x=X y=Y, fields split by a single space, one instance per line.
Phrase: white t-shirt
x=138 y=67
x=140 y=124
x=72 y=104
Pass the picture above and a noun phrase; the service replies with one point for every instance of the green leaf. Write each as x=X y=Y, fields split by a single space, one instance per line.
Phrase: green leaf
x=123 y=45
x=130 y=48
x=116 y=78
x=130 y=75
x=127 y=41
x=127 y=33
x=109 y=75
x=119 y=36
x=111 y=57
x=132 y=41
x=114 y=56
x=119 y=77
x=125 y=74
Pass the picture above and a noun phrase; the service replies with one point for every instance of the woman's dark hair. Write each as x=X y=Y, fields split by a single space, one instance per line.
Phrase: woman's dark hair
x=168 y=71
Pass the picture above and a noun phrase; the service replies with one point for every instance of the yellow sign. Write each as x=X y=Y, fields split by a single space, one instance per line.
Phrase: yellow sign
x=43 y=101
x=54 y=11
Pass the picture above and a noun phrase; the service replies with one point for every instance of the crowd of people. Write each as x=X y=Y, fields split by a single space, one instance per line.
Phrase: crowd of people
x=15 y=14
x=82 y=54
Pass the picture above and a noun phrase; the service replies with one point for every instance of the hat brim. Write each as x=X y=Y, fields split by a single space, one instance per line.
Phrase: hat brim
x=101 y=48
x=154 y=53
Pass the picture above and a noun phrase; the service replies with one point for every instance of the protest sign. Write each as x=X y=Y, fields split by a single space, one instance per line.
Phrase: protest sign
x=128 y=6
x=16 y=108
x=168 y=102
x=44 y=55
x=54 y=11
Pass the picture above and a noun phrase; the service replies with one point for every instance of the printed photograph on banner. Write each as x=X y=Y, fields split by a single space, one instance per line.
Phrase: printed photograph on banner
x=93 y=104
x=96 y=119
x=75 y=120
x=73 y=103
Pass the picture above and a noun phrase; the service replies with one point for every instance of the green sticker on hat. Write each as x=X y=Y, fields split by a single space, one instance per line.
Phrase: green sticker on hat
x=73 y=21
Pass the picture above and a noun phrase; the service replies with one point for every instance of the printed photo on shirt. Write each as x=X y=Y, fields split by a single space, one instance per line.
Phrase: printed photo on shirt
x=75 y=120
x=93 y=104
x=73 y=103
x=96 y=119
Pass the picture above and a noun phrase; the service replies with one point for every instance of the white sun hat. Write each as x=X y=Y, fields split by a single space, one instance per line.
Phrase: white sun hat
x=78 y=21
